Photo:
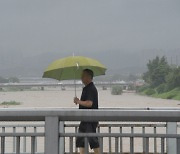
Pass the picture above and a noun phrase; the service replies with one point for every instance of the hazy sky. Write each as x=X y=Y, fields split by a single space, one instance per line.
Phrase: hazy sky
x=123 y=34
x=35 y=26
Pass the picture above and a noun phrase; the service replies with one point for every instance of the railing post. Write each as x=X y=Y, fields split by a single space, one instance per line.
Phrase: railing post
x=3 y=142
x=61 y=139
x=143 y=140
x=14 y=140
x=24 y=140
x=178 y=145
x=171 y=143
x=35 y=131
x=109 y=130
x=51 y=135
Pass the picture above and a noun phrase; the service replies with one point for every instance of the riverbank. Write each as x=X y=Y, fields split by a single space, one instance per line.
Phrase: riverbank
x=172 y=94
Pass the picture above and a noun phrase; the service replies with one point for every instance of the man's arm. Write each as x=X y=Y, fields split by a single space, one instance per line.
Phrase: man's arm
x=83 y=103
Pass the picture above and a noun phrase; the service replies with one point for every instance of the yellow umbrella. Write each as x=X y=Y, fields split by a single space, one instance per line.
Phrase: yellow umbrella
x=70 y=68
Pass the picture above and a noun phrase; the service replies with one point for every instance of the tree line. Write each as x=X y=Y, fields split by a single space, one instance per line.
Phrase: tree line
x=161 y=76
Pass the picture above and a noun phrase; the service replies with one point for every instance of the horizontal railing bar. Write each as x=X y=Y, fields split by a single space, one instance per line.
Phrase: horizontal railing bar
x=122 y=125
x=22 y=125
x=25 y=153
x=140 y=108
x=112 y=108
x=26 y=114
x=22 y=134
x=89 y=153
x=100 y=125
x=128 y=135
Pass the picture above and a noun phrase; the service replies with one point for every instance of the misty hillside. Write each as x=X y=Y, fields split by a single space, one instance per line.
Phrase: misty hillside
x=117 y=62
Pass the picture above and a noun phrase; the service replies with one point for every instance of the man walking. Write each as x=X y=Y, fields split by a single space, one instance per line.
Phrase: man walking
x=89 y=100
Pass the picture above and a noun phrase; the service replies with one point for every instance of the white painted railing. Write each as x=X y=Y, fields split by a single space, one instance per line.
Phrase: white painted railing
x=52 y=129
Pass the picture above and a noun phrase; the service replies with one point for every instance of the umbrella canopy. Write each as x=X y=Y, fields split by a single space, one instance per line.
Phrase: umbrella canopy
x=70 y=68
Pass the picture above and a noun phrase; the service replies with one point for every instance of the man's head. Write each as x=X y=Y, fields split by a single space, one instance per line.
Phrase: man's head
x=87 y=76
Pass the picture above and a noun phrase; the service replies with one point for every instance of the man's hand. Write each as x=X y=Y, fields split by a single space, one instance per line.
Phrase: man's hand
x=83 y=103
x=76 y=100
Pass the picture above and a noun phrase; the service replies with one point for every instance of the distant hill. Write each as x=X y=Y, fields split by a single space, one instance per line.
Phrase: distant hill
x=117 y=62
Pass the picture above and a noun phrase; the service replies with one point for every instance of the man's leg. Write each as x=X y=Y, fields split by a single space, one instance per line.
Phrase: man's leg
x=96 y=151
x=93 y=141
x=80 y=140
x=81 y=150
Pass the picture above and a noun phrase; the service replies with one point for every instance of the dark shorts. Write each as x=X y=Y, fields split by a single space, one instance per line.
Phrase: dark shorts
x=87 y=127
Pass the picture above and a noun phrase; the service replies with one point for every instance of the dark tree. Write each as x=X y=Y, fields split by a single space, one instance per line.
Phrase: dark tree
x=158 y=69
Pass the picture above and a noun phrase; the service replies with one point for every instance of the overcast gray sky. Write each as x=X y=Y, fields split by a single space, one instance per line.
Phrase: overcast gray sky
x=31 y=27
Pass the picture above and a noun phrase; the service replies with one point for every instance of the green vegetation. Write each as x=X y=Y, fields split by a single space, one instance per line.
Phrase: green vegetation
x=10 y=103
x=9 y=80
x=3 y=80
x=162 y=80
x=173 y=94
x=149 y=91
x=13 y=80
x=131 y=87
x=116 y=90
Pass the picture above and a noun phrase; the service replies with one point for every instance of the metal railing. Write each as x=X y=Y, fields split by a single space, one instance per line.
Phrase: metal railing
x=21 y=130
x=120 y=128
x=58 y=137
x=74 y=127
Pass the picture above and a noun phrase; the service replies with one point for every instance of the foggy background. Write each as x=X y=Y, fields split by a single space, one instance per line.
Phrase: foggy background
x=122 y=34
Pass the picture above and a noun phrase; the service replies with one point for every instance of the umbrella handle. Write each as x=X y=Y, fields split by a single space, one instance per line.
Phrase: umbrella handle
x=75 y=79
x=75 y=87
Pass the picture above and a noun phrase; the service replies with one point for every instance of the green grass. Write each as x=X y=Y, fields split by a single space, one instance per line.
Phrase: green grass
x=149 y=92
x=10 y=103
x=173 y=94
